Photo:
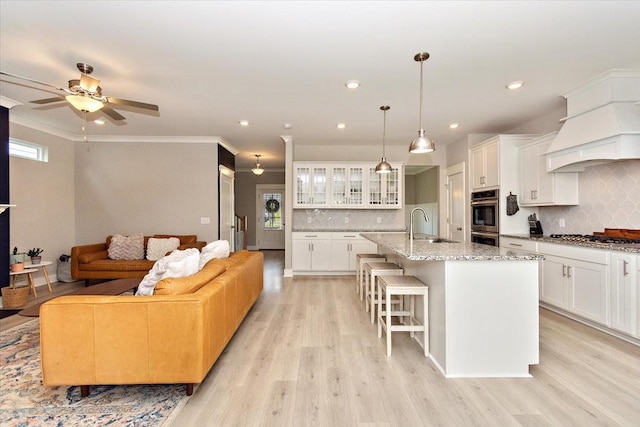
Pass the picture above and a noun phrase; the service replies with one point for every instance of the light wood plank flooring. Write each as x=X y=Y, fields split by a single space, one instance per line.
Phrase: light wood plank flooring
x=307 y=355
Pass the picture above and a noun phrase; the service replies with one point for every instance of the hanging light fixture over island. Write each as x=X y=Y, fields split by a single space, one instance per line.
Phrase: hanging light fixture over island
x=422 y=144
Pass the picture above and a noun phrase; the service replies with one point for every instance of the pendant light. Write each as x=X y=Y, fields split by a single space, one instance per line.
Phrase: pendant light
x=422 y=144
x=257 y=170
x=383 y=166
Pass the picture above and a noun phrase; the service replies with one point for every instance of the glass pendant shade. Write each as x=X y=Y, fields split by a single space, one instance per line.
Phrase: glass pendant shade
x=84 y=103
x=422 y=144
x=257 y=170
x=383 y=166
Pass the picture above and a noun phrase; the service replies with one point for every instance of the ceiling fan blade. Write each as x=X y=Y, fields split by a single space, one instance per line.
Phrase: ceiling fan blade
x=88 y=83
x=33 y=81
x=137 y=104
x=48 y=100
x=112 y=113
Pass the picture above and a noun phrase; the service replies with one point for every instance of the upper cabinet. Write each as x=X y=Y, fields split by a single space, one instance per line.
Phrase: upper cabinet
x=346 y=185
x=542 y=188
x=485 y=165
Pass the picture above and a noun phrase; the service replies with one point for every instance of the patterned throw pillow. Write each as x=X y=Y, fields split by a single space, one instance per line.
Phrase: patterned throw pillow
x=157 y=248
x=217 y=249
x=126 y=247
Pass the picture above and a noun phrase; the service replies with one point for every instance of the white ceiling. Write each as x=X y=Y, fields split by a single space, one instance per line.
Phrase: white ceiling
x=209 y=64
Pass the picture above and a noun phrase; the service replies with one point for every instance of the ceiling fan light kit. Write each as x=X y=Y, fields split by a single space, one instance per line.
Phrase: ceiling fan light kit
x=422 y=144
x=383 y=166
x=257 y=170
x=84 y=103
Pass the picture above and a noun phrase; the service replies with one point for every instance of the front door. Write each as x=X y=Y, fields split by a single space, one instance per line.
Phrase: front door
x=270 y=216
x=455 y=203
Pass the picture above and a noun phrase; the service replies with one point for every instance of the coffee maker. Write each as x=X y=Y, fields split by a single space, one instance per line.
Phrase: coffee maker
x=535 y=228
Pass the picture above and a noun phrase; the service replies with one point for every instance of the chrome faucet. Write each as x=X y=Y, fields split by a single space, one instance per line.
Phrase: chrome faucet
x=426 y=218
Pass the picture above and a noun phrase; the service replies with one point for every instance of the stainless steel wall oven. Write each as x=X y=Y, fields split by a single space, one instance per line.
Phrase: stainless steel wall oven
x=485 y=214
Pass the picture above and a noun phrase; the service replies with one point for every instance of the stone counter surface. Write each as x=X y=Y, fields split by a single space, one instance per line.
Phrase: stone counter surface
x=631 y=248
x=424 y=251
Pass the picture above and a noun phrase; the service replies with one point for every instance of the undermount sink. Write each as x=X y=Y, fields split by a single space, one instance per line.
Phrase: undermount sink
x=432 y=239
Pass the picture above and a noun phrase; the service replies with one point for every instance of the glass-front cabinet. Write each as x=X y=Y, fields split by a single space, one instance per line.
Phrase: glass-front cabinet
x=347 y=186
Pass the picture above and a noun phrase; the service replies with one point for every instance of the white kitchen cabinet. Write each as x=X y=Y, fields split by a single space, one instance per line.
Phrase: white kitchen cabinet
x=576 y=279
x=385 y=189
x=311 y=251
x=623 y=302
x=539 y=187
x=485 y=165
x=311 y=185
x=345 y=247
x=519 y=244
x=348 y=186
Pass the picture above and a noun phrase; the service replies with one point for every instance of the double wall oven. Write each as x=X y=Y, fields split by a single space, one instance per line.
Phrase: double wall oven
x=484 y=217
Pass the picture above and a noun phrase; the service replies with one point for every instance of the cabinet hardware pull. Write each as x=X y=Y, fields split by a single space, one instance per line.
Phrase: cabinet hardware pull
x=624 y=268
x=564 y=270
x=515 y=244
x=310 y=235
x=459 y=228
x=569 y=271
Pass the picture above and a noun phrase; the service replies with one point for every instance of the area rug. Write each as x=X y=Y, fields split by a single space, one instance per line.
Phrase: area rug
x=24 y=401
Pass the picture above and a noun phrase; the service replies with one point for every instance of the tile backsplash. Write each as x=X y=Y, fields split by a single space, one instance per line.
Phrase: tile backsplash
x=348 y=219
x=609 y=197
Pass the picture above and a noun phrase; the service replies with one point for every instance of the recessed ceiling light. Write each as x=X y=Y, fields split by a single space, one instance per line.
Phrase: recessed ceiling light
x=287 y=125
x=454 y=125
x=515 y=85
x=98 y=121
x=244 y=122
x=352 y=84
x=341 y=125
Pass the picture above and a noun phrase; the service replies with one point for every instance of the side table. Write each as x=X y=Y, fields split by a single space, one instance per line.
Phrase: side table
x=27 y=271
x=43 y=265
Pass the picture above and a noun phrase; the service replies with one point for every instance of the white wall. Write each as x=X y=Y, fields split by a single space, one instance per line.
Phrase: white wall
x=45 y=195
x=145 y=187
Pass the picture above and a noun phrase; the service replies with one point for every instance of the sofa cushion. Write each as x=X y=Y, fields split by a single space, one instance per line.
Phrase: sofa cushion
x=217 y=249
x=126 y=247
x=157 y=248
x=116 y=265
x=188 y=238
x=190 y=284
x=176 y=264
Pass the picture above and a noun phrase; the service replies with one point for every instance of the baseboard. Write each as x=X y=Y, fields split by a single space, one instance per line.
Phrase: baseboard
x=253 y=248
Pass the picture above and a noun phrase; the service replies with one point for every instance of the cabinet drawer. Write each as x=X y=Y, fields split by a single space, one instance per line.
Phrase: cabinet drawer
x=347 y=236
x=307 y=235
x=597 y=256
x=520 y=244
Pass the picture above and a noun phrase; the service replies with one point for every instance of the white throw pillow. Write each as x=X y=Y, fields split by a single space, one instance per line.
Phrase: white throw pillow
x=157 y=248
x=176 y=264
x=126 y=247
x=217 y=249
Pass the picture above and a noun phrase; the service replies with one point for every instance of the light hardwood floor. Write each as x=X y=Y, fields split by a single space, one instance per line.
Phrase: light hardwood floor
x=307 y=355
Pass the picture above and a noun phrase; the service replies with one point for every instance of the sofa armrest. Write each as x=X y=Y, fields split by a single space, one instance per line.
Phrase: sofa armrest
x=76 y=251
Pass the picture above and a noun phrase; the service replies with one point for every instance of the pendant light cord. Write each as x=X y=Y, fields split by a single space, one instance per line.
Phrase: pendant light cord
x=384 y=131
x=421 y=91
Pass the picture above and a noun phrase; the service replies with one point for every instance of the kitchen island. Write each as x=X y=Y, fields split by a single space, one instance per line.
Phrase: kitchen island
x=483 y=303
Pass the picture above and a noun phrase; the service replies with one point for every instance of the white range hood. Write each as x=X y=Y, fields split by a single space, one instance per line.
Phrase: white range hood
x=602 y=123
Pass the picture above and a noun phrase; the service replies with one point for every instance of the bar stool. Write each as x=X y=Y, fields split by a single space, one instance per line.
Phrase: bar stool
x=372 y=271
x=388 y=286
x=361 y=260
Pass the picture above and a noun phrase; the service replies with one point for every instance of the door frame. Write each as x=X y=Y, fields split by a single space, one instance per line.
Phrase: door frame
x=226 y=173
x=262 y=187
x=454 y=170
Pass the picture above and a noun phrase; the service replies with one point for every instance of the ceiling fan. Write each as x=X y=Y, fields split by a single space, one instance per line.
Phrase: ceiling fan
x=85 y=94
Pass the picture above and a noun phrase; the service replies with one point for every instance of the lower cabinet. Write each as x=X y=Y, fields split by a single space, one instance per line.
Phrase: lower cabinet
x=623 y=302
x=578 y=283
x=311 y=251
x=328 y=252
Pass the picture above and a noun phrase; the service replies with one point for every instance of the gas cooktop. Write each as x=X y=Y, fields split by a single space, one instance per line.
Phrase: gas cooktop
x=595 y=239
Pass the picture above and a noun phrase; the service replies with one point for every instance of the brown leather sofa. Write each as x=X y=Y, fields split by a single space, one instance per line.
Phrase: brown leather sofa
x=174 y=336
x=93 y=262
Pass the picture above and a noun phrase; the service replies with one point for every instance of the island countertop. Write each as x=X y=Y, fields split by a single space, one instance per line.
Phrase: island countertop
x=446 y=251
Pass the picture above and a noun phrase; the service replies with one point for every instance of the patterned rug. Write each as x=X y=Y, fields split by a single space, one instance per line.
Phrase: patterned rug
x=24 y=401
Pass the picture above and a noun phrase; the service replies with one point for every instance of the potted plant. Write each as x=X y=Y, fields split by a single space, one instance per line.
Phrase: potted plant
x=34 y=254
x=17 y=260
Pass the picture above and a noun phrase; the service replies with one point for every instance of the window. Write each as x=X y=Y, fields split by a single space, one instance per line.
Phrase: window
x=272 y=212
x=27 y=150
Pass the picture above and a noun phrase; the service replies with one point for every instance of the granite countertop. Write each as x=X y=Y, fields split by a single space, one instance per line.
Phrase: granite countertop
x=346 y=230
x=446 y=251
x=630 y=248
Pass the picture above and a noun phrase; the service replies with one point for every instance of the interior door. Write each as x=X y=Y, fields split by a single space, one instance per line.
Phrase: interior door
x=270 y=216
x=227 y=207
x=455 y=203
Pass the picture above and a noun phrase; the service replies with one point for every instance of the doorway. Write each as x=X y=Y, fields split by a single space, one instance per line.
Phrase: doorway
x=270 y=216
x=456 y=226
x=227 y=206
x=421 y=190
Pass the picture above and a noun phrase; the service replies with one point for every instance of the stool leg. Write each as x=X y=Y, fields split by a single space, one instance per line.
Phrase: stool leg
x=380 y=310
x=425 y=308
x=372 y=289
x=388 y=316
x=358 y=277
x=365 y=291
x=412 y=311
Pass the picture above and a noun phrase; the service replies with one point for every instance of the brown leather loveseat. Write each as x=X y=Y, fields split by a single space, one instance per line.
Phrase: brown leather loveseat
x=93 y=262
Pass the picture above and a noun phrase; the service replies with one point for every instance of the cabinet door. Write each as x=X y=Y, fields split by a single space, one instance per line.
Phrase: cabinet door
x=492 y=165
x=391 y=188
x=339 y=186
x=588 y=290
x=545 y=181
x=359 y=246
x=529 y=174
x=319 y=189
x=356 y=186
x=374 y=181
x=301 y=256
x=340 y=255
x=553 y=288
x=477 y=168
x=321 y=255
x=302 y=186
x=623 y=293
